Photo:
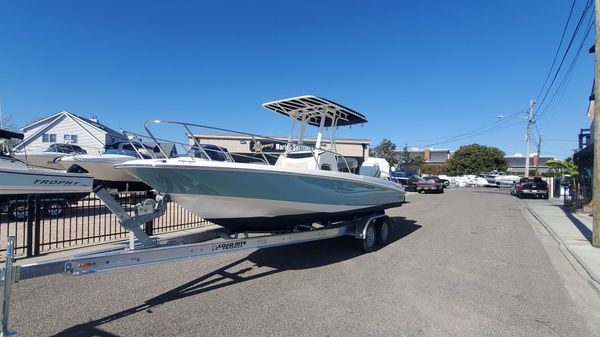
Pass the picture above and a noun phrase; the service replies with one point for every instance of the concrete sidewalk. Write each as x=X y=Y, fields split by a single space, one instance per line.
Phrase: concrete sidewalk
x=573 y=231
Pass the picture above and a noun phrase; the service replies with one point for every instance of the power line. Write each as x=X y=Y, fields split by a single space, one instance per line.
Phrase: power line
x=473 y=134
x=557 y=50
x=575 y=32
x=567 y=76
x=485 y=128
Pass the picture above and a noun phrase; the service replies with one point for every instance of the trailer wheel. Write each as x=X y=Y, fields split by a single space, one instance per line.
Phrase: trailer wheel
x=384 y=230
x=370 y=239
x=18 y=211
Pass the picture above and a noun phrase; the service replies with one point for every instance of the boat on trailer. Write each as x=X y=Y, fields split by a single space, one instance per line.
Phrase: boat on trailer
x=305 y=185
x=18 y=178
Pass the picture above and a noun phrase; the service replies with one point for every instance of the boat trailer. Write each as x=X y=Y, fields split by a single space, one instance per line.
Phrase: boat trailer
x=372 y=230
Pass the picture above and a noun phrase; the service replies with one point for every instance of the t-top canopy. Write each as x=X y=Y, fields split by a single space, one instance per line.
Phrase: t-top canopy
x=310 y=109
x=5 y=134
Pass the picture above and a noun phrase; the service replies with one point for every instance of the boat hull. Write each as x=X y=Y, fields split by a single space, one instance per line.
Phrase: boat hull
x=41 y=159
x=101 y=167
x=250 y=197
x=42 y=181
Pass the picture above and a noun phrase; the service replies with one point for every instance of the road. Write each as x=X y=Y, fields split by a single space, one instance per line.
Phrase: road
x=462 y=263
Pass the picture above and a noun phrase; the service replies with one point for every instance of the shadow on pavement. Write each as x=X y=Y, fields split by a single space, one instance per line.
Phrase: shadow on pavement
x=293 y=257
x=583 y=229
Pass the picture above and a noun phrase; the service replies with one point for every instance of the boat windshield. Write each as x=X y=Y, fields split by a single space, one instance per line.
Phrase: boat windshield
x=214 y=152
x=126 y=152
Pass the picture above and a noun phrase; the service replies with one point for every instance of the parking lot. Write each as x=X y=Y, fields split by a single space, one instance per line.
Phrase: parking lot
x=462 y=263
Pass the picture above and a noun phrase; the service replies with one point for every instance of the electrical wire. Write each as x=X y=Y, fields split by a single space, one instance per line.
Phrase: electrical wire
x=566 y=78
x=573 y=36
x=485 y=129
x=557 y=50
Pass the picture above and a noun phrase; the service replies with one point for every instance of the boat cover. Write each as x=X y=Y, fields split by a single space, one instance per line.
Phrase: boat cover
x=5 y=134
x=310 y=108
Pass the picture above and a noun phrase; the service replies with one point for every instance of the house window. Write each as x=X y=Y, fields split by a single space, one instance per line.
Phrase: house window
x=49 y=138
x=70 y=139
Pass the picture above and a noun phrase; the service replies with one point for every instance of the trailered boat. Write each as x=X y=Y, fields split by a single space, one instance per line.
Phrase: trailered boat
x=305 y=185
x=50 y=156
x=18 y=178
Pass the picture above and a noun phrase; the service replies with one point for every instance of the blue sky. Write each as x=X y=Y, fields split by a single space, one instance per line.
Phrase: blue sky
x=422 y=72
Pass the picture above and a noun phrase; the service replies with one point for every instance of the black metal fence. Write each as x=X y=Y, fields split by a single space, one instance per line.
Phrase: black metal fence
x=42 y=223
x=578 y=192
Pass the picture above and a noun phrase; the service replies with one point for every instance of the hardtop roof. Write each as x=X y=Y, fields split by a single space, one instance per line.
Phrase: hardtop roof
x=309 y=108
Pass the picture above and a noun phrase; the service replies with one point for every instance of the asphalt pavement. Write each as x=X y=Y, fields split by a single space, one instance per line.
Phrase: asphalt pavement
x=462 y=263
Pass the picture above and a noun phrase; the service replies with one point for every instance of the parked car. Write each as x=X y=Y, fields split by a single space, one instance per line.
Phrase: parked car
x=444 y=182
x=54 y=206
x=408 y=181
x=430 y=184
x=535 y=187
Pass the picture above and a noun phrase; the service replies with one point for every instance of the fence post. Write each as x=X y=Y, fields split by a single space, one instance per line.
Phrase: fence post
x=149 y=228
x=30 y=219
x=37 y=228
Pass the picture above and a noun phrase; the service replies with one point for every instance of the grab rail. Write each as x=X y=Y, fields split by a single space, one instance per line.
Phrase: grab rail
x=254 y=137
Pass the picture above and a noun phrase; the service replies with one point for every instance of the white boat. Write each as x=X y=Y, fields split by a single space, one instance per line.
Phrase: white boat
x=305 y=185
x=18 y=178
x=49 y=157
x=101 y=166
x=506 y=180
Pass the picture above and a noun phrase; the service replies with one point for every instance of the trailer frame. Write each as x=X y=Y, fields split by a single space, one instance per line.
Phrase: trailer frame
x=371 y=229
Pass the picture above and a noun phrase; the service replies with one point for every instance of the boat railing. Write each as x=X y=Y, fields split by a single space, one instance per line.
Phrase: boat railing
x=167 y=148
x=257 y=141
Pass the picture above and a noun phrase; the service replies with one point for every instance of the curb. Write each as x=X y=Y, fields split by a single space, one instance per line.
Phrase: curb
x=593 y=278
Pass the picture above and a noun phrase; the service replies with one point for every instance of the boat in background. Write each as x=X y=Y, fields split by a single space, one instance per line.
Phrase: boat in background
x=305 y=185
x=101 y=166
x=18 y=178
x=49 y=157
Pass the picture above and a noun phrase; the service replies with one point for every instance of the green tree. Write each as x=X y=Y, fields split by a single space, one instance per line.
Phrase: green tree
x=387 y=150
x=476 y=159
x=417 y=159
x=404 y=155
x=433 y=169
x=562 y=167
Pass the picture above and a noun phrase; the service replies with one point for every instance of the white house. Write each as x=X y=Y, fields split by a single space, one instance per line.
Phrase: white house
x=65 y=127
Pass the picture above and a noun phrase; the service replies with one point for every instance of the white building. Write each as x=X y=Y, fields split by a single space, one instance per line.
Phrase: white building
x=65 y=127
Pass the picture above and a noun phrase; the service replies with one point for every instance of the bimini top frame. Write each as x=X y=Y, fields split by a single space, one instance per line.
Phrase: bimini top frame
x=310 y=109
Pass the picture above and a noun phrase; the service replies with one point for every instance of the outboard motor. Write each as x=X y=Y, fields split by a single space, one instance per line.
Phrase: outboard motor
x=370 y=168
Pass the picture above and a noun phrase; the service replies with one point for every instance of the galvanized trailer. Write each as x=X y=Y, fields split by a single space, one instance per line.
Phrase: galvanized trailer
x=372 y=230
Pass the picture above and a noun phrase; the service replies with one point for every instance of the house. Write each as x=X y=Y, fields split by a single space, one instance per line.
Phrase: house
x=516 y=163
x=584 y=157
x=429 y=155
x=65 y=127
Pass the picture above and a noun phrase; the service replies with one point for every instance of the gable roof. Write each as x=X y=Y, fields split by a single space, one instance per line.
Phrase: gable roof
x=82 y=122
x=90 y=122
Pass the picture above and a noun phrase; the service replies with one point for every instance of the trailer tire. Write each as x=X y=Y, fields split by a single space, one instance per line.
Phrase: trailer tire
x=370 y=239
x=384 y=231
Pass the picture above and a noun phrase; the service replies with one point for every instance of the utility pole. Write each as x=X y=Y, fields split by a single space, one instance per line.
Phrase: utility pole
x=537 y=162
x=529 y=122
x=596 y=137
